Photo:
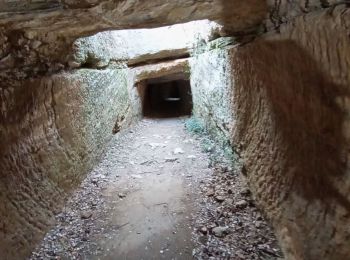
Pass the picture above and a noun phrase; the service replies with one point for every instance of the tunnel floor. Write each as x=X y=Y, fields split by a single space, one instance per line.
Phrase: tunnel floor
x=154 y=196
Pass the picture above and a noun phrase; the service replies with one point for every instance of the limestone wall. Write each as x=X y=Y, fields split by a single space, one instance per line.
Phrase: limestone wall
x=52 y=130
x=283 y=11
x=212 y=87
x=291 y=104
x=288 y=116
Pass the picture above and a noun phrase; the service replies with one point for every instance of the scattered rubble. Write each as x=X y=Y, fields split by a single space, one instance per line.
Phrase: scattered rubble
x=228 y=225
x=220 y=231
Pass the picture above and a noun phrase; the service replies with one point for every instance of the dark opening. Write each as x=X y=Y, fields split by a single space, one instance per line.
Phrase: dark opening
x=167 y=99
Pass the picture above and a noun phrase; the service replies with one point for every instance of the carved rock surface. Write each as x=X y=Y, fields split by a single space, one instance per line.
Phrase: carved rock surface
x=289 y=98
x=57 y=24
x=291 y=93
x=56 y=128
x=212 y=90
x=289 y=104
x=77 y=18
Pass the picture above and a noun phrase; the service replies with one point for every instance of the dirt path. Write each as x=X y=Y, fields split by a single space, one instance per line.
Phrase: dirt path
x=137 y=203
x=154 y=196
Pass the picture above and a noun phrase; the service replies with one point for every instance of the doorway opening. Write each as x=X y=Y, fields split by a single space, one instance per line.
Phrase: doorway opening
x=164 y=98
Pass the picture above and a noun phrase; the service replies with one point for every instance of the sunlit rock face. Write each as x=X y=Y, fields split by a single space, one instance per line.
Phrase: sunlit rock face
x=212 y=91
x=132 y=47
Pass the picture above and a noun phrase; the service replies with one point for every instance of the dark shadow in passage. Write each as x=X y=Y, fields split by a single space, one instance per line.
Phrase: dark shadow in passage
x=167 y=99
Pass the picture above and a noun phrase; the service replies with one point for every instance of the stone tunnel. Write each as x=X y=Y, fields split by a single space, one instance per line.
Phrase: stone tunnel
x=270 y=79
x=166 y=97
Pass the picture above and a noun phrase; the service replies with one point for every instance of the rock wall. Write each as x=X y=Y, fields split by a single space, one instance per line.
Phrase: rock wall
x=288 y=116
x=291 y=105
x=52 y=130
x=289 y=108
x=212 y=87
x=283 y=11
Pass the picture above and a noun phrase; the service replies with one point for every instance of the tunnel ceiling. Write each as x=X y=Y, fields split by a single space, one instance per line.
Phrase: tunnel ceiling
x=37 y=37
x=137 y=47
x=44 y=32
x=77 y=18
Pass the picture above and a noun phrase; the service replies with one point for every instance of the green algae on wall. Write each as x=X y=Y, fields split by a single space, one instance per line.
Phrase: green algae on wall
x=212 y=88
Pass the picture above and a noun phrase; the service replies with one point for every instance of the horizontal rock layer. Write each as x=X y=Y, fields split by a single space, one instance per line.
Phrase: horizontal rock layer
x=134 y=47
x=77 y=18
x=36 y=38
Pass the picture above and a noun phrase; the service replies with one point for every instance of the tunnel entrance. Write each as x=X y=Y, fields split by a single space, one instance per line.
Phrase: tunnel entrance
x=164 y=98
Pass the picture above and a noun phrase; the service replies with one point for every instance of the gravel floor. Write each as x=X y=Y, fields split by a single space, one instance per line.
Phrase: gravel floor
x=157 y=195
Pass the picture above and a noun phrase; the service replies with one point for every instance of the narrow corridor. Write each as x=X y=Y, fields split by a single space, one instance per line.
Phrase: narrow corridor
x=137 y=203
x=156 y=195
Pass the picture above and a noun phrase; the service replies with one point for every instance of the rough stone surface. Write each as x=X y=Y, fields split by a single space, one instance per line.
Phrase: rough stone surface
x=289 y=101
x=144 y=45
x=283 y=11
x=289 y=98
x=52 y=131
x=211 y=90
x=158 y=70
x=57 y=24
x=291 y=93
x=75 y=17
